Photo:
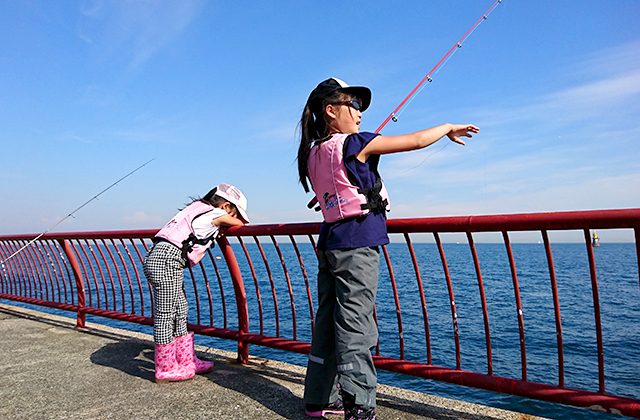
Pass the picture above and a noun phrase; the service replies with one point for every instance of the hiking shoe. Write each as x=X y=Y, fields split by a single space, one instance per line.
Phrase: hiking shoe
x=314 y=410
x=360 y=413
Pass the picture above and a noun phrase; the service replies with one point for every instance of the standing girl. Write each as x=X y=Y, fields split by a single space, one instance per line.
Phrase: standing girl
x=184 y=240
x=342 y=165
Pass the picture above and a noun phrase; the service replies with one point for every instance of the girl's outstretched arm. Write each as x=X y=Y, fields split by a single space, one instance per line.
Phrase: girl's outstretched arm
x=383 y=145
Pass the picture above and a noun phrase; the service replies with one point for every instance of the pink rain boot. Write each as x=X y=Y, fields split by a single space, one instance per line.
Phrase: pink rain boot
x=167 y=368
x=201 y=366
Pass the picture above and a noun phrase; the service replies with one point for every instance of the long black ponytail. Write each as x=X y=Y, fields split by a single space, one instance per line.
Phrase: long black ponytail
x=314 y=125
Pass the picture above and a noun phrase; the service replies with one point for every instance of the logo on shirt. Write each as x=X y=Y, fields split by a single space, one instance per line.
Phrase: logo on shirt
x=331 y=201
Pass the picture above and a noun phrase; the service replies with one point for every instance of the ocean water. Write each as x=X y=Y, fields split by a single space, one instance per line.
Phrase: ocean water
x=618 y=289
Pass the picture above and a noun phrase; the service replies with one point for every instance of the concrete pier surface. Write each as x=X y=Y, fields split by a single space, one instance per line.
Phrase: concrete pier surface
x=51 y=370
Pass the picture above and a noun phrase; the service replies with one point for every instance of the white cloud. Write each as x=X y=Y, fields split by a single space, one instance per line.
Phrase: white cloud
x=140 y=218
x=135 y=30
x=609 y=83
x=589 y=194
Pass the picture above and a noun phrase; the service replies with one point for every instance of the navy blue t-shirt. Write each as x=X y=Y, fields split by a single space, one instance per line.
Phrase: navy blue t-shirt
x=360 y=231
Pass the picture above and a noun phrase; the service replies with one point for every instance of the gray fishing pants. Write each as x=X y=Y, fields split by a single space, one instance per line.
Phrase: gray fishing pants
x=345 y=329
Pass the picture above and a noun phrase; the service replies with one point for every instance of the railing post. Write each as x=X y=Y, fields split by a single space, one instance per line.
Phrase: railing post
x=241 y=297
x=596 y=309
x=637 y=235
x=82 y=299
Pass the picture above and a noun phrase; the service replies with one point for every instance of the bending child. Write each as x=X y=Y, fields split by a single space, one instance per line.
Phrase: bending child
x=342 y=166
x=184 y=240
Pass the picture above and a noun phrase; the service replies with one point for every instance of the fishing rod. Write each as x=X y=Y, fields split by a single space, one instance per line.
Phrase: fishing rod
x=95 y=197
x=394 y=115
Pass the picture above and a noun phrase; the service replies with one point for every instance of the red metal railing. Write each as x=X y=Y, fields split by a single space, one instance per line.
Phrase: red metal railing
x=99 y=273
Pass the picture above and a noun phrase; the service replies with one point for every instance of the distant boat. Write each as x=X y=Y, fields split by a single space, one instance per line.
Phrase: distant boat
x=595 y=240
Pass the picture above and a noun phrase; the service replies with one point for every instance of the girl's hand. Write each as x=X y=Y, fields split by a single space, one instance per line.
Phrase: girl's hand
x=461 y=130
x=222 y=231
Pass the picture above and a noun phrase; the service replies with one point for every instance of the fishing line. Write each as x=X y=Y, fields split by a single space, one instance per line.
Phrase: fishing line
x=397 y=116
x=428 y=156
x=394 y=115
x=400 y=108
x=429 y=77
x=95 y=197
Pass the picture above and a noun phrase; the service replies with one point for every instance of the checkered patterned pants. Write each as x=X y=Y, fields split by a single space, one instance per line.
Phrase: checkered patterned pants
x=164 y=268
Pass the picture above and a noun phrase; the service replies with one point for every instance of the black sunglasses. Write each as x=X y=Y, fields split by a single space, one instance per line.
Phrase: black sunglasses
x=354 y=103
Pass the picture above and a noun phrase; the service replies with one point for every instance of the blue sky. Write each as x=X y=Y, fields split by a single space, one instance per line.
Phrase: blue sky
x=90 y=90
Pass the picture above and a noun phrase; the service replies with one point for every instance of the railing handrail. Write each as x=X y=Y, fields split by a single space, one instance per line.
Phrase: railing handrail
x=593 y=219
x=568 y=220
x=107 y=234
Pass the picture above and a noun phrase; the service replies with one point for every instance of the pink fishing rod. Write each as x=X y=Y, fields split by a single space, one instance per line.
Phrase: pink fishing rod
x=444 y=59
x=428 y=77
